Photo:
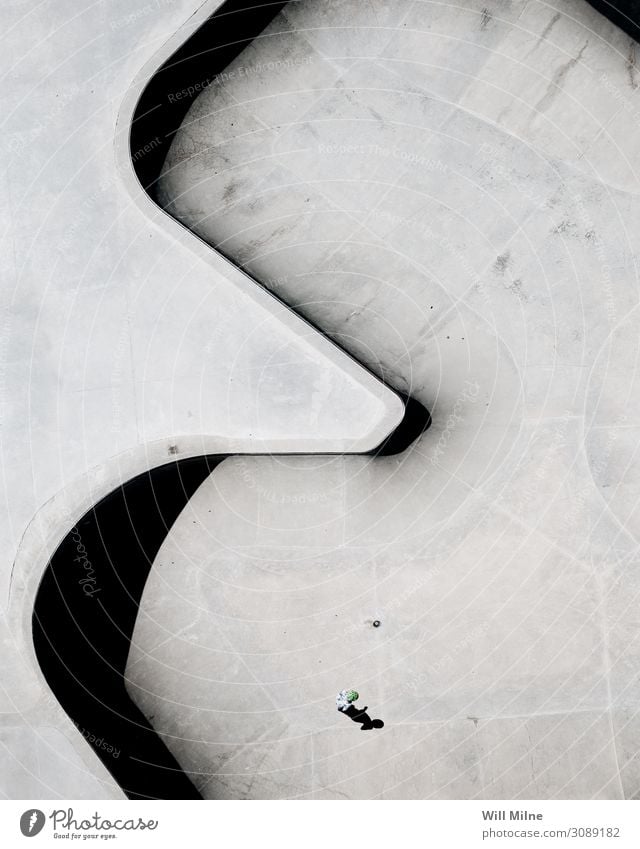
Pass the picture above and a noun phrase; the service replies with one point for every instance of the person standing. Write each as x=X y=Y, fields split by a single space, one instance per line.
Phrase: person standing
x=345 y=704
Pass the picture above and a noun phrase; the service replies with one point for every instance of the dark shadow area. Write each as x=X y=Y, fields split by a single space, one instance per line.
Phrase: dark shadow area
x=362 y=718
x=623 y=13
x=164 y=104
x=416 y=420
x=168 y=96
x=84 y=615
x=87 y=603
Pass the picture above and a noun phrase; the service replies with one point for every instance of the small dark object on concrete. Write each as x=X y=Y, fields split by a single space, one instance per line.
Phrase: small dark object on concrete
x=376 y=623
x=361 y=716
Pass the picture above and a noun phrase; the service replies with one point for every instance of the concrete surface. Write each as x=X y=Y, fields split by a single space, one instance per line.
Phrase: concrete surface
x=125 y=340
x=450 y=191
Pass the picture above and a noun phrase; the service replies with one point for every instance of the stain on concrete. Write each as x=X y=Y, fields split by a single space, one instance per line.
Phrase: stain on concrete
x=515 y=287
x=631 y=65
x=545 y=32
x=502 y=262
x=543 y=35
x=229 y=192
x=564 y=226
x=556 y=82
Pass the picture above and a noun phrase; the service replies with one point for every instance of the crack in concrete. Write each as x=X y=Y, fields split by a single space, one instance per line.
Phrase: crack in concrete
x=556 y=83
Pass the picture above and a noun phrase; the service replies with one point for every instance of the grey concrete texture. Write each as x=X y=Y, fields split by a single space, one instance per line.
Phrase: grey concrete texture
x=449 y=191
x=126 y=342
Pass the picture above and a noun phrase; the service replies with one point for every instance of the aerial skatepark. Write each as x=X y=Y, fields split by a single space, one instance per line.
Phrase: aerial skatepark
x=319 y=373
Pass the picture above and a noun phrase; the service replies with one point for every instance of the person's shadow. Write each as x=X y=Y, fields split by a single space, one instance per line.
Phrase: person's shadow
x=361 y=716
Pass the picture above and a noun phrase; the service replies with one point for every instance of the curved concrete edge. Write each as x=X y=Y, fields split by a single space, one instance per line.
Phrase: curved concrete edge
x=54 y=519
x=52 y=522
x=623 y=13
x=40 y=541
x=83 y=623
x=43 y=535
x=388 y=406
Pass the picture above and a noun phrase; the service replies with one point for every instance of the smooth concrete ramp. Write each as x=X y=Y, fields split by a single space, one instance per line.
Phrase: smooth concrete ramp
x=127 y=344
x=450 y=192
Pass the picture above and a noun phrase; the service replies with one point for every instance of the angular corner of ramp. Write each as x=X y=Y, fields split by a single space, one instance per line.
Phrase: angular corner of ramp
x=81 y=569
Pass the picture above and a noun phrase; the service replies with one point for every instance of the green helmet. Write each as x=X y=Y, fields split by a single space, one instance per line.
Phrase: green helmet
x=353 y=695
